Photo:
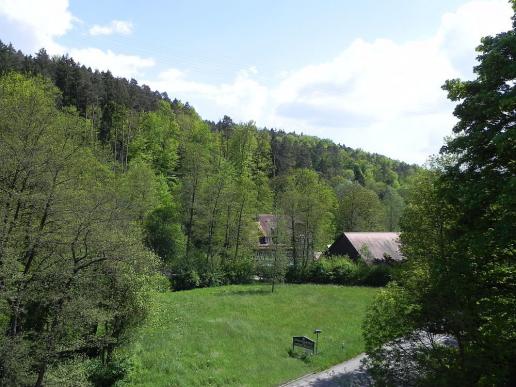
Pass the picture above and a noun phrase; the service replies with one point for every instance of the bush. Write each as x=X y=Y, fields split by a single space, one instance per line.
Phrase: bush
x=239 y=271
x=294 y=276
x=339 y=270
x=215 y=277
x=216 y=272
x=318 y=272
x=343 y=271
x=160 y=282
x=302 y=355
x=186 y=280
x=105 y=375
x=73 y=372
x=376 y=275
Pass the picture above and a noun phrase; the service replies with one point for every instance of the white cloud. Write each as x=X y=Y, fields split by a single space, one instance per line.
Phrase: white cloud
x=460 y=31
x=244 y=97
x=32 y=25
x=383 y=96
x=121 y=65
x=120 y=27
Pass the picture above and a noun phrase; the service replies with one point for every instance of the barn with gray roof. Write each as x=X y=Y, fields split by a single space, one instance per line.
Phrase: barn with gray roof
x=373 y=247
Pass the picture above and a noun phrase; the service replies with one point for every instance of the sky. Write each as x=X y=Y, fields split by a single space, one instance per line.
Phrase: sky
x=366 y=74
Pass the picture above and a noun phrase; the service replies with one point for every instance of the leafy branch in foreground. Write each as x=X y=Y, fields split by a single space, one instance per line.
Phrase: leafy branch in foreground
x=73 y=268
x=458 y=235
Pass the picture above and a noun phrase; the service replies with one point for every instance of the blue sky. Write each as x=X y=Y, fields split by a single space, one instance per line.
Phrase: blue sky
x=215 y=39
x=363 y=73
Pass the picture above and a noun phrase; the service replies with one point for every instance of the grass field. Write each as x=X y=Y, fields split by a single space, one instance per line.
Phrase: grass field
x=241 y=335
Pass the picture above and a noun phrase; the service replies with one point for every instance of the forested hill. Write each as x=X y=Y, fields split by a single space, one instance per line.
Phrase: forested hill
x=202 y=184
x=98 y=95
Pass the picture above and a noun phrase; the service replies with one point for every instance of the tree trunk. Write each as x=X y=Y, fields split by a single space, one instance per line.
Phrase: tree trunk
x=293 y=238
x=226 y=236
x=239 y=227
x=212 y=222
x=41 y=375
x=190 y=219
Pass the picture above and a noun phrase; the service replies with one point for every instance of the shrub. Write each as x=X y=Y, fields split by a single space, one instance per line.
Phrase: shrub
x=295 y=276
x=105 y=375
x=239 y=271
x=344 y=271
x=72 y=372
x=160 y=282
x=214 y=277
x=376 y=275
x=338 y=270
x=186 y=280
x=318 y=272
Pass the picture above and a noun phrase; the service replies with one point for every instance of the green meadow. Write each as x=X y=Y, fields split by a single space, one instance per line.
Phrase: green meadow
x=241 y=335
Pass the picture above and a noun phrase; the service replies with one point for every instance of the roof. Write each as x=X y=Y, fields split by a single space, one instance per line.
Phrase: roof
x=266 y=224
x=377 y=245
x=371 y=246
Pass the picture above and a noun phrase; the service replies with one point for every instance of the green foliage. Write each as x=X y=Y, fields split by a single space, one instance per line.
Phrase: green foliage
x=306 y=204
x=186 y=280
x=359 y=208
x=394 y=206
x=387 y=317
x=106 y=375
x=344 y=271
x=337 y=270
x=202 y=184
x=68 y=222
x=70 y=373
x=304 y=356
x=156 y=141
x=164 y=234
x=274 y=268
x=376 y=275
x=239 y=271
x=458 y=234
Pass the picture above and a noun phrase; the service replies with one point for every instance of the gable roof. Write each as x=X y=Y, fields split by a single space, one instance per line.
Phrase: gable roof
x=372 y=246
x=378 y=244
x=266 y=224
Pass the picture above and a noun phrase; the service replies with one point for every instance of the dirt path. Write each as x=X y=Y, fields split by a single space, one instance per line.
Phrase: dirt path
x=348 y=373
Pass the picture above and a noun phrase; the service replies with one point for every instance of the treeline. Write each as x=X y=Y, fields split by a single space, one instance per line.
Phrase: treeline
x=81 y=87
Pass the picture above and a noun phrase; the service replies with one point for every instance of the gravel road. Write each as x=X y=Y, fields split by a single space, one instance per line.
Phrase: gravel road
x=348 y=373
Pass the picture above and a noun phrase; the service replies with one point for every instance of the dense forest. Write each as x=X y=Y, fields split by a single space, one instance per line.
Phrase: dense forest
x=105 y=181
x=214 y=178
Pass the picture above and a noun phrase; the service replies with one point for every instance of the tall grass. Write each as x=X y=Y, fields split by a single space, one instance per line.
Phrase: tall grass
x=241 y=334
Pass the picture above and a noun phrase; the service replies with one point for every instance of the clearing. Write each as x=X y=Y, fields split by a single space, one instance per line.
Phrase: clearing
x=241 y=335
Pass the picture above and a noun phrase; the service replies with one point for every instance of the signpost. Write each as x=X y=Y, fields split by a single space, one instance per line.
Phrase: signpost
x=317 y=331
x=303 y=342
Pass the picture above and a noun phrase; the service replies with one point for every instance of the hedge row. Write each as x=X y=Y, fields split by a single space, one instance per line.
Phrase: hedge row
x=344 y=271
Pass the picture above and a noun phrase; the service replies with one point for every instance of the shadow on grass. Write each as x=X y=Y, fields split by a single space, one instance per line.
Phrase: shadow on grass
x=246 y=292
x=302 y=355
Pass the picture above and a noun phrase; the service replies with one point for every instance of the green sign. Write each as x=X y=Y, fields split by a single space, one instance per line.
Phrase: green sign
x=303 y=342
